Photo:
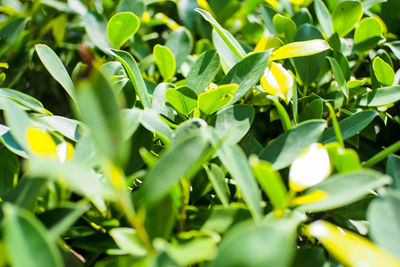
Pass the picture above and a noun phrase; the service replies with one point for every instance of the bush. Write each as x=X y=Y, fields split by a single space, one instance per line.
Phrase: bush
x=199 y=133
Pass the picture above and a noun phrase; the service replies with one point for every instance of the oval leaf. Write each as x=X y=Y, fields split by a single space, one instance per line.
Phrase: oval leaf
x=121 y=27
x=346 y=16
x=165 y=61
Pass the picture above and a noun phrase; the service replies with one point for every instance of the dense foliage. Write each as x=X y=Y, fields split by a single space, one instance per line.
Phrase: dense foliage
x=199 y=133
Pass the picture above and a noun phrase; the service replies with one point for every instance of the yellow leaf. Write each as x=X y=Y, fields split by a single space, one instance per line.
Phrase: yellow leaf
x=309 y=198
x=204 y=5
x=311 y=167
x=273 y=3
x=267 y=42
x=168 y=21
x=145 y=17
x=41 y=143
x=349 y=248
x=4 y=65
x=277 y=81
x=300 y=49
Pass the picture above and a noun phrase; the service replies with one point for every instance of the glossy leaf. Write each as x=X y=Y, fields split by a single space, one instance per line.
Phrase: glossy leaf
x=135 y=76
x=350 y=126
x=229 y=40
x=324 y=17
x=165 y=61
x=346 y=16
x=344 y=189
x=368 y=34
x=214 y=99
x=183 y=99
x=282 y=151
x=203 y=71
x=121 y=27
x=172 y=166
x=381 y=96
x=339 y=76
x=383 y=72
x=233 y=122
x=247 y=73
x=56 y=68
x=284 y=26
x=300 y=49
x=234 y=160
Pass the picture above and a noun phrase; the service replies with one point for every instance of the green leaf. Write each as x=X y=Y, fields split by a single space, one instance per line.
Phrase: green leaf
x=26 y=240
x=228 y=58
x=368 y=34
x=135 y=76
x=344 y=189
x=183 y=99
x=384 y=218
x=268 y=244
x=282 y=151
x=381 y=96
x=121 y=27
x=9 y=141
x=313 y=110
x=203 y=71
x=56 y=68
x=393 y=169
x=235 y=161
x=214 y=99
x=344 y=160
x=285 y=26
x=96 y=28
x=383 y=71
x=165 y=61
x=152 y=122
x=324 y=17
x=160 y=102
x=9 y=34
x=24 y=100
x=271 y=182
x=173 y=164
x=189 y=252
x=346 y=16
x=247 y=73
x=180 y=43
x=9 y=170
x=350 y=126
x=98 y=108
x=93 y=187
x=337 y=71
x=229 y=40
x=232 y=123
x=217 y=179
x=309 y=67
x=128 y=241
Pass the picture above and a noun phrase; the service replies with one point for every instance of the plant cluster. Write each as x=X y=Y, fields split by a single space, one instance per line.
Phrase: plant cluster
x=199 y=133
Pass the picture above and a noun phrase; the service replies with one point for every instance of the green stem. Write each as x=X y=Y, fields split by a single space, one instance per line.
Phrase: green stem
x=335 y=124
x=295 y=104
x=382 y=155
x=286 y=123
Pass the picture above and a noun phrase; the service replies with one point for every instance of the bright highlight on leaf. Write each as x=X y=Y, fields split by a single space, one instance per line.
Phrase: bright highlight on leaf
x=41 y=143
x=310 y=168
x=121 y=27
x=349 y=248
x=65 y=151
x=300 y=49
x=214 y=99
x=277 y=81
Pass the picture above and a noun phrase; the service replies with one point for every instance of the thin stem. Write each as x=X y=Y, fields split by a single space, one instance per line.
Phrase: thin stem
x=295 y=104
x=382 y=155
x=286 y=123
x=335 y=124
